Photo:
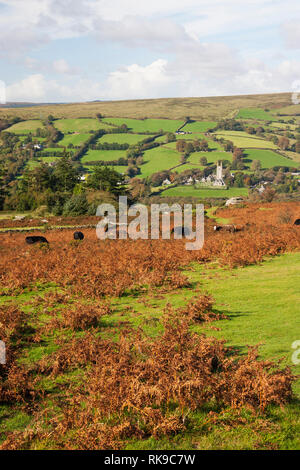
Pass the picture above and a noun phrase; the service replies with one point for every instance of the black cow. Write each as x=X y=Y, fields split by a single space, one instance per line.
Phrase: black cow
x=35 y=239
x=78 y=236
x=184 y=231
x=297 y=222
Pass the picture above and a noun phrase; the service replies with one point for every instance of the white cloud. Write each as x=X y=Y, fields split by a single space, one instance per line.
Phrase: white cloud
x=183 y=62
x=291 y=34
x=139 y=82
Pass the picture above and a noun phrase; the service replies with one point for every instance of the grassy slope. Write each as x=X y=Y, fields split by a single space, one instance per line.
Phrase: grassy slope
x=75 y=139
x=130 y=139
x=243 y=140
x=255 y=113
x=267 y=158
x=150 y=125
x=159 y=159
x=212 y=108
x=199 y=126
x=25 y=127
x=78 y=125
x=105 y=155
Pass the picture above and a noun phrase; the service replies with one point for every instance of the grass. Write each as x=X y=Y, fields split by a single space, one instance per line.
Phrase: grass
x=211 y=157
x=201 y=109
x=243 y=140
x=78 y=125
x=26 y=127
x=199 y=126
x=74 y=139
x=261 y=302
x=105 y=155
x=147 y=125
x=159 y=159
x=256 y=113
x=191 y=191
x=267 y=158
x=131 y=139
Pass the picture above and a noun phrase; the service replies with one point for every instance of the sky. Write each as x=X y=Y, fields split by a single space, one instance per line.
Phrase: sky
x=83 y=50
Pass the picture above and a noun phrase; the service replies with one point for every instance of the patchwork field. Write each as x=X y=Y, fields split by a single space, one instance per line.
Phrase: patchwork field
x=256 y=113
x=199 y=126
x=79 y=125
x=267 y=158
x=131 y=139
x=146 y=125
x=245 y=141
x=159 y=159
x=211 y=157
x=104 y=155
x=74 y=139
x=25 y=127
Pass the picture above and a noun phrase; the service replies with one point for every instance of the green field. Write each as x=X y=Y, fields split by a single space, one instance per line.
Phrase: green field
x=146 y=125
x=104 y=155
x=211 y=157
x=243 y=140
x=74 y=139
x=256 y=113
x=267 y=158
x=25 y=127
x=131 y=139
x=159 y=159
x=199 y=126
x=79 y=125
x=190 y=191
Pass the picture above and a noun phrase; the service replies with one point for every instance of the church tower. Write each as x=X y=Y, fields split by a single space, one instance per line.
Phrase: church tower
x=219 y=171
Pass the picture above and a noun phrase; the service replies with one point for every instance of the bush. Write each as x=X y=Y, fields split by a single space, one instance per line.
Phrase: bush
x=76 y=205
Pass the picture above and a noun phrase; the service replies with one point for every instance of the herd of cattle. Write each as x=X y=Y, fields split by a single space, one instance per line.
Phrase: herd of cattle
x=39 y=239
x=31 y=240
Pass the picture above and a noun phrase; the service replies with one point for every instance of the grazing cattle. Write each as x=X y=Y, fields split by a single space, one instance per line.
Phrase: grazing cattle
x=35 y=239
x=226 y=228
x=78 y=236
x=297 y=222
x=184 y=231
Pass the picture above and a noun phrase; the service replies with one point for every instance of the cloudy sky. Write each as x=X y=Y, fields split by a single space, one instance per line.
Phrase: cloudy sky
x=78 y=50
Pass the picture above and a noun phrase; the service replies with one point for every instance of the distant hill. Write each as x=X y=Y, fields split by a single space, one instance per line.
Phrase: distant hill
x=211 y=108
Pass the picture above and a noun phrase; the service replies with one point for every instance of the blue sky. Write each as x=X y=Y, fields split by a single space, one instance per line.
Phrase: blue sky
x=77 y=50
